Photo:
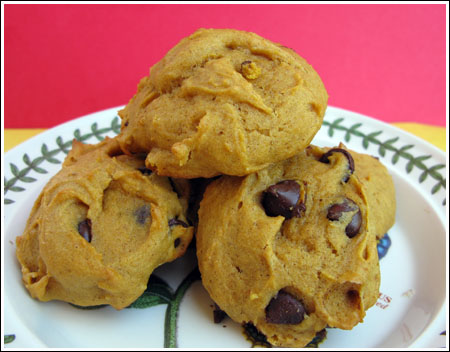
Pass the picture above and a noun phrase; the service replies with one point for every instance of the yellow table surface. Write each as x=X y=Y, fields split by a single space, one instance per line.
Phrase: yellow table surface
x=433 y=134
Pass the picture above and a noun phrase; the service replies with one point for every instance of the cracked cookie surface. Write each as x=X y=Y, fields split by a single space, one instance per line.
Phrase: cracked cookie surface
x=100 y=227
x=292 y=248
x=223 y=102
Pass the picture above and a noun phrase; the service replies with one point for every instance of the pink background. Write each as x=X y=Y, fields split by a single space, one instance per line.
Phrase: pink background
x=65 y=61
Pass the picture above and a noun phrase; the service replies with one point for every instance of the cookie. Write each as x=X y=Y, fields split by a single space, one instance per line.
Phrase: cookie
x=291 y=248
x=223 y=101
x=99 y=228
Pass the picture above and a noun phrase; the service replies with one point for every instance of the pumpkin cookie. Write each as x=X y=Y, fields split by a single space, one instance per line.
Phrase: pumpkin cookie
x=99 y=228
x=223 y=101
x=291 y=248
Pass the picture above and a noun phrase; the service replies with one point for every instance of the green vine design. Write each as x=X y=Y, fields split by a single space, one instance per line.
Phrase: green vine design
x=399 y=152
x=170 y=325
x=49 y=155
x=8 y=338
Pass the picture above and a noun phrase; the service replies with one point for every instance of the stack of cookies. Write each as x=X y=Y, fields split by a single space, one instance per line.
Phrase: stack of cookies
x=286 y=232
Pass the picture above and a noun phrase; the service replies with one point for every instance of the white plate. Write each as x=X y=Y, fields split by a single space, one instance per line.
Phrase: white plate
x=411 y=310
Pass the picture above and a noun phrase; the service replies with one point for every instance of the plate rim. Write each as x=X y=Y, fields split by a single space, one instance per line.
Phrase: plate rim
x=436 y=152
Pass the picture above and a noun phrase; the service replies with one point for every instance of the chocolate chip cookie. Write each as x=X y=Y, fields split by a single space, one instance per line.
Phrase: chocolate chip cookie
x=291 y=248
x=100 y=227
x=223 y=101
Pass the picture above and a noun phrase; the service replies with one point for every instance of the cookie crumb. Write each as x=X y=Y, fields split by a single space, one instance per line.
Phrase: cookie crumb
x=250 y=70
x=254 y=296
x=408 y=294
x=218 y=314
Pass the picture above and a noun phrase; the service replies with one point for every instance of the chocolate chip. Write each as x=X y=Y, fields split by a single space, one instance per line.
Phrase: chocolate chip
x=84 y=229
x=351 y=163
x=285 y=309
x=145 y=171
x=283 y=199
x=335 y=212
x=322 y=334
x=175 y=222
x=219 y=314
x=352 y=229
x=126 y=124
x=177 y=242
x=255 y=336
x=318 y=339
x=142 y=213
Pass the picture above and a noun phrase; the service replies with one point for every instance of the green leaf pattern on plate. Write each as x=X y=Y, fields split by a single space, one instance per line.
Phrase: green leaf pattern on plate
x=8 y=338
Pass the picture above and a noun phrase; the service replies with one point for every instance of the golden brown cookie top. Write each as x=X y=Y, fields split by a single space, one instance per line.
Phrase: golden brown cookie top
x=223 y=102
